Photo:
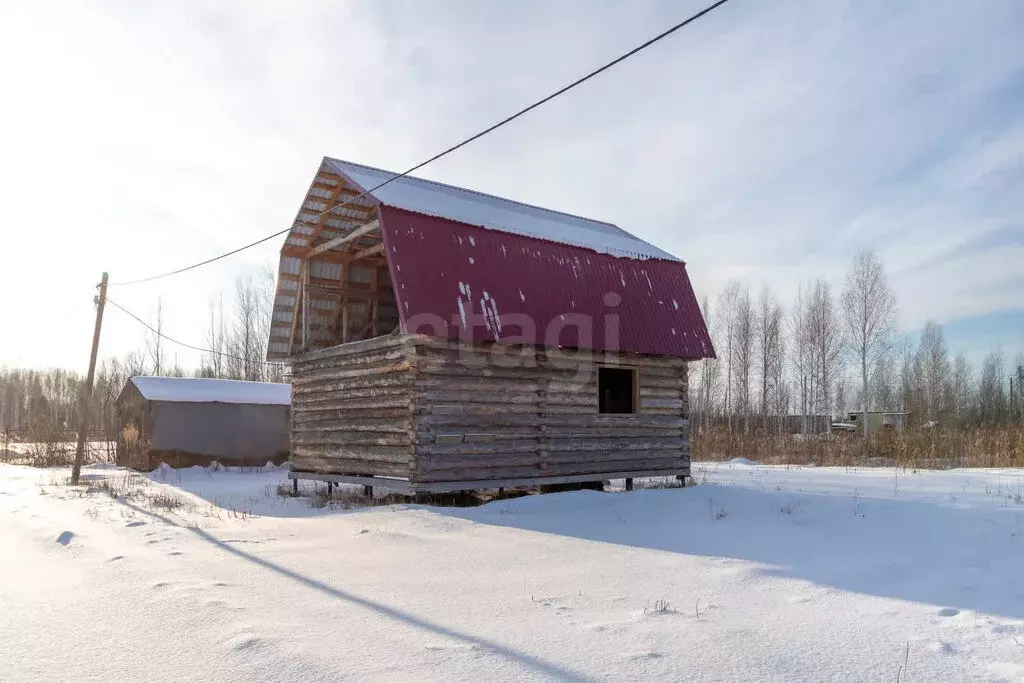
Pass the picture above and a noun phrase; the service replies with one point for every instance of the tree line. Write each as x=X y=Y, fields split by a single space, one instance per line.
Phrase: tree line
x=829 y=355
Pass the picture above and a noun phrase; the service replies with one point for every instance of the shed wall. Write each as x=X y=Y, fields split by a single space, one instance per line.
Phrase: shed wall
x=186 y=434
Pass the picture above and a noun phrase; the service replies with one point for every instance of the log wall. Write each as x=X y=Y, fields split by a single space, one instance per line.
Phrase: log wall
x=352 y=408
x=429 y=411
x=512 y=412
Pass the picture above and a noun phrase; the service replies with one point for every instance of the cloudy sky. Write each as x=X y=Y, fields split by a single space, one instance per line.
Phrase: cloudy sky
x=767 y=142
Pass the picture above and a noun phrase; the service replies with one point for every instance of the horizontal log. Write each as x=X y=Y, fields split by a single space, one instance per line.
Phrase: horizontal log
x=427 y=463
x=369 y=393
x=378 y=380
x=594 y=420
x=616 y=444
x=473 y=397
x=327 y=439
x=479 y=448
x=353 y=398
x=426 y=435
x=363 y=425
x=649 y=382
x=380 y=357
x=582 y=399
x=485 y=384
x=313 y=463
x=458 y=409
x=364 y=371
x=658 y=392
x=388 y=403
x=674 y=403
x=665 y=411
x=484 y=473
x=393 y=454
x=353 y=348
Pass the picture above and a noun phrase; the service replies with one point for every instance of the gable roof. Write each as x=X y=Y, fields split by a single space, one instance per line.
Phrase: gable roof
x=189 y=390
x=461 y=281
x=449 y=262
x=495 y=213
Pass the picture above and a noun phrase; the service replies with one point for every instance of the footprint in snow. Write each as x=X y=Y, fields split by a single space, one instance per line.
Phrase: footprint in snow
x=135 y=523
x=65 y=537
x=948 y=612
x=160 y=585
x=174 y=553
x=116 y=558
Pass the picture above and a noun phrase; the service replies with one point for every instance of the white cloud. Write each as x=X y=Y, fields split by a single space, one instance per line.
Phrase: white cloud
x=767 y=141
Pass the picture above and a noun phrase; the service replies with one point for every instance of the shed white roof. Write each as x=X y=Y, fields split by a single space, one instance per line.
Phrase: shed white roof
x=487 y=211
x=187 y=390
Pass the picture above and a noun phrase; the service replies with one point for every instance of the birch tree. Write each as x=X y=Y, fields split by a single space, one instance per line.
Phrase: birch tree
x=825 y=342
x=768 y=330
x=727 y=302
x=869 y=311
x=155 y=340
x=743 y=356
x=933 y=368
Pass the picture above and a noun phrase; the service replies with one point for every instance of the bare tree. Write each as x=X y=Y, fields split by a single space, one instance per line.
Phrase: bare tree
x=841 y=395
x=883 y=392
x=215 y=339
x=154 y=339
x=960 y=389
x=802 y=357
x=727 y=303
x=933 y=366
x=742 y=361
x=710 y=370
x=869 y=310
x=825 y=342
x=245 y=345
x=768 y=328
x=992 y=403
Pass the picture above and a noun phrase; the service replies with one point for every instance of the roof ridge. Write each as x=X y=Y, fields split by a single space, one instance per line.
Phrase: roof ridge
x=482 y=194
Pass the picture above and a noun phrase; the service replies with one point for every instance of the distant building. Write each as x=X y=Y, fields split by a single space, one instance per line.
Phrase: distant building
x=895 y=420
x=186 y=422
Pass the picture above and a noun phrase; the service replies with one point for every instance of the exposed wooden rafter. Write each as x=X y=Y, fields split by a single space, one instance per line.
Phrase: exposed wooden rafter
x=344 y=239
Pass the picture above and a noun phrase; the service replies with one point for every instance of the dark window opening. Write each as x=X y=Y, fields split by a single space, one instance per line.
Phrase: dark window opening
x=615 y=390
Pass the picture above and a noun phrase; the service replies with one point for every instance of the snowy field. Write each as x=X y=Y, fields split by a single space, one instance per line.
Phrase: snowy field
x=757 y=573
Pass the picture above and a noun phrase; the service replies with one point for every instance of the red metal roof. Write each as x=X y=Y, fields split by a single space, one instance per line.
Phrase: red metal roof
x=457 y=280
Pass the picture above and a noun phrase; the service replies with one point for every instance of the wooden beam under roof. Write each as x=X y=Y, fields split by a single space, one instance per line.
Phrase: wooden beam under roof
x=300 y=292
x=365 y=229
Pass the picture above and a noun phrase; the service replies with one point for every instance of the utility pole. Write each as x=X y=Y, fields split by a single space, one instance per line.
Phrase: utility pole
x=85 y=401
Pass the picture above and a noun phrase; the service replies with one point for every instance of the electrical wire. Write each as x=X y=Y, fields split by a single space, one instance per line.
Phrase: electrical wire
x=472 y=138
x=181 y=343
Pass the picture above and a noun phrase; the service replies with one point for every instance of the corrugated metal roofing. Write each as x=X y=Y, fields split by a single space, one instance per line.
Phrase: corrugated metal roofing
x=457 y=280
x=495 y=213
x=189 y=390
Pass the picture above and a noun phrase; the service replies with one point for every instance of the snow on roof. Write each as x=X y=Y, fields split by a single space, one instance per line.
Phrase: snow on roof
x=187 y=390
x=487 y=211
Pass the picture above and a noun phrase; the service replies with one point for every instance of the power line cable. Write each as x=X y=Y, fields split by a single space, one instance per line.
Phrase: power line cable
x=181 y=343
x=472 y=138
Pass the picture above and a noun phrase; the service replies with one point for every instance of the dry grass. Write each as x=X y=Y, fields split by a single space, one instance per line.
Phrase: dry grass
x=920 y=448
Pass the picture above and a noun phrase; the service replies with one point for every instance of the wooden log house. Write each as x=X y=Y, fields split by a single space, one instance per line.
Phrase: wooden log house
x=442 y=339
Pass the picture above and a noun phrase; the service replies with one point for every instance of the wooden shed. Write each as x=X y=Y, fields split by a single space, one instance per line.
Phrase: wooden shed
x=443 y=339
x=184 y=422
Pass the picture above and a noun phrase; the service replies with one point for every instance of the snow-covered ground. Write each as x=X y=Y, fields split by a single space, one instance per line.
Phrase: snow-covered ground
x=757 y=573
